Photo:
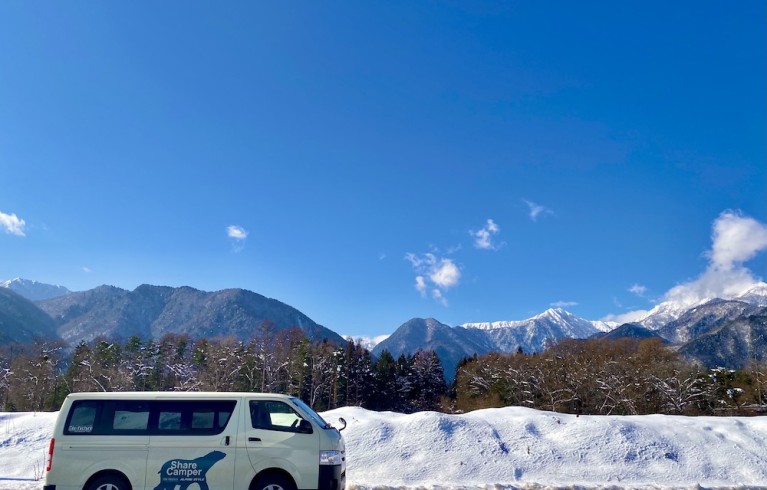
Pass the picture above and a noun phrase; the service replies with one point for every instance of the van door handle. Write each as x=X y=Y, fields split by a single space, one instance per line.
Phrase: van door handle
x=226 y=441
x=254 y=439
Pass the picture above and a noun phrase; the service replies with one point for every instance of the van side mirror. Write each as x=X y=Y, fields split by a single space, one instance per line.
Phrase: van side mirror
x=343 y=421
x=304 y=427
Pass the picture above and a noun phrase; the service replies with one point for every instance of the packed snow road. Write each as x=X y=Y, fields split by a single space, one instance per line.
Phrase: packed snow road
x=500 y=449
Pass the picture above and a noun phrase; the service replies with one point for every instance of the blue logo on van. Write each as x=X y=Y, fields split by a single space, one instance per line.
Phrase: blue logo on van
x=184 y=472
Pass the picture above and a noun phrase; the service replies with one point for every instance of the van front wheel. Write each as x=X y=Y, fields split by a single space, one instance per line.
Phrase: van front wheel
x=273 y=482
x=109 y=482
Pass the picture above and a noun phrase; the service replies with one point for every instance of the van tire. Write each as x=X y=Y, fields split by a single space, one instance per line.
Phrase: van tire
x=273 y=482
x=109 y=482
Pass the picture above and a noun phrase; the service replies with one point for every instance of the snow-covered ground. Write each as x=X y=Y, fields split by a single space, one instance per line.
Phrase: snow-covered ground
x=498 y=449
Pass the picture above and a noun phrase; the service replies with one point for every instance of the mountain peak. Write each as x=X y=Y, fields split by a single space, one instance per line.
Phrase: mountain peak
x=557 y=314
x=756 y=294
x=34 y=290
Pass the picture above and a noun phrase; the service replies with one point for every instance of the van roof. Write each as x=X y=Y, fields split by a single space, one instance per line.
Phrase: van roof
x=174 y=395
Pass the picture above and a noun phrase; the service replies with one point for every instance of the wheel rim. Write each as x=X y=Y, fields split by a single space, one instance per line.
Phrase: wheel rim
x=273 y=486
x=108 y=486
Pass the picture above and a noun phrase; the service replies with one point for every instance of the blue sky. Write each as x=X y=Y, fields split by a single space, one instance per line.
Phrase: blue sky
x=370 y=162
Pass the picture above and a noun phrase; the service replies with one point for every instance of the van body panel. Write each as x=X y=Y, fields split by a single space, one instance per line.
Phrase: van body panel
x=166 y=441
x=102 y=453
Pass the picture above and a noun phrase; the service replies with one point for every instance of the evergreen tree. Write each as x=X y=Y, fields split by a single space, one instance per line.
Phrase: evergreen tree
x=386 y=395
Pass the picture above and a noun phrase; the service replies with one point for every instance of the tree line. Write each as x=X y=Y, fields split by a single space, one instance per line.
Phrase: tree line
x=37 y=376
x=618 y=377
x=609 y=377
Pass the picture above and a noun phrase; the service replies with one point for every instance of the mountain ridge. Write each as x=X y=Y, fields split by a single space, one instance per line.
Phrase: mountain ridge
x=705 y=332
x=699 y=332
x=148 y=311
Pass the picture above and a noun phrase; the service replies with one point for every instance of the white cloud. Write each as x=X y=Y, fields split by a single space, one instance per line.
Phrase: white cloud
x=87 y=269
x=439 y=274
x=537 y=210
x=483 y=239
x=638 y=289
x=12 y=224
x=563 y=304
x=236 y=232
x=735 y=239
x=630 y=317
x=445 y=274
x=367 y=342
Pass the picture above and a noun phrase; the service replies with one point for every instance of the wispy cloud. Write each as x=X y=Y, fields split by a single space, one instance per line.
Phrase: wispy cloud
x=563 y=304
x=238 y=234
x=483 y=238
x=86 y=269
x=536 y=210
x=638 y=289
x=12 y=224
x=434 y=274
x=438 y=297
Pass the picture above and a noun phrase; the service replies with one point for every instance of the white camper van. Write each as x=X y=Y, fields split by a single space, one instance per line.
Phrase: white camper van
x=180 y=441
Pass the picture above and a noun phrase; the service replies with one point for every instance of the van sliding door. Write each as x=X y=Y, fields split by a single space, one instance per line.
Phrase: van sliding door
x=193 y=441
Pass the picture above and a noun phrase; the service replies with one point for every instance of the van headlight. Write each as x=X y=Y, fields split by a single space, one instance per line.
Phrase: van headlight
x=330 y=458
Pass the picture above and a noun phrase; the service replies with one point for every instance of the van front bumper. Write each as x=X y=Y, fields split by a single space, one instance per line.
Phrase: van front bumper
x=332 y=477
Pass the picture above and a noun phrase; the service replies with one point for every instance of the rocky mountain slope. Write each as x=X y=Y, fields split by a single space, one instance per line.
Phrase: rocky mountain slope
x=147 y=311
x=151 y=311
x=22 y=321
x=450 y=344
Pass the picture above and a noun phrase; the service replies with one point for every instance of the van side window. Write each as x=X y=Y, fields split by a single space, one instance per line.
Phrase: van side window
x=82 y=418
x=198 y=417
x=203 y=420
x=130 y=416
x=169 y=420
x=273 y=415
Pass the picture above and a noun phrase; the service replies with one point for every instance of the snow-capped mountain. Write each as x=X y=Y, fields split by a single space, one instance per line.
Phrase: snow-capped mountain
x=454 y=343
x=756 y=295
x=34 y=290
x=704 y=319
x=536 y=333
x=668 y=311
x=706 y=331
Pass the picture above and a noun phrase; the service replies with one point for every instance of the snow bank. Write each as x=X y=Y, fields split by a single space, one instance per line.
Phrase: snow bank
x=499 y=449
x=24 y=439
x=522 y=448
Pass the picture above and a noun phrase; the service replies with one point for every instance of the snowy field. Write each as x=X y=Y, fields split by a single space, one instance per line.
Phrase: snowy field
x=497 y=449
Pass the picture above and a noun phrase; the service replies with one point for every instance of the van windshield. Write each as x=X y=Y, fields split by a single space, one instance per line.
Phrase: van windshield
x=311 y=413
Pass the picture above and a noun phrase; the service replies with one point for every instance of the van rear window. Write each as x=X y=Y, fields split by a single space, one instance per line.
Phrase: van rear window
x=149 y=417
